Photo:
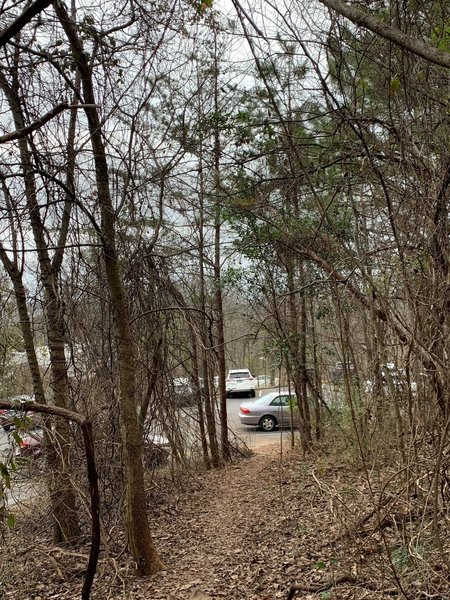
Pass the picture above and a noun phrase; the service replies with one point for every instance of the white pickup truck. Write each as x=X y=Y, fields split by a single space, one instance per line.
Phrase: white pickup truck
x=240 y=381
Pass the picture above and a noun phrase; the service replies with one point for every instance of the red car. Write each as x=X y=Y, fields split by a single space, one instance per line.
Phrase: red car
x=31 y=442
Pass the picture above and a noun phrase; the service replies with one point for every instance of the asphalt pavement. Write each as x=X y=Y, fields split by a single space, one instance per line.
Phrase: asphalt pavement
x=252 y=436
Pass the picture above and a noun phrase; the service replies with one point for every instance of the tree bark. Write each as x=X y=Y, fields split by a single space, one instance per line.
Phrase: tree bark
x=136 y=520
x=61 y=490
x=225 y=442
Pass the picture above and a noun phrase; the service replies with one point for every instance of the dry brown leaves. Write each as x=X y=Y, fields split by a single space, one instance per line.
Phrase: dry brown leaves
x=245 y=532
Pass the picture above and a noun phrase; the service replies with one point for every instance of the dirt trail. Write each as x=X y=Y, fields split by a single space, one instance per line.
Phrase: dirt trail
x=244 y=532
x=220 y=539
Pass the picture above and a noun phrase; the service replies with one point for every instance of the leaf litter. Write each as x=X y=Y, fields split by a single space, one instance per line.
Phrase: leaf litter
x=247 y=531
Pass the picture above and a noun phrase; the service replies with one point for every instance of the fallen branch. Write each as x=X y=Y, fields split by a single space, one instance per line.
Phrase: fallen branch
x=356 y=527
x=323 y=587
x=320 y=587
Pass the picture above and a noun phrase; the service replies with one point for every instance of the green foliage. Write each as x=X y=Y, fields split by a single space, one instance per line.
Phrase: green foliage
x=401 y=558
x=203 y=6
x=441 y=37
x=15 y=433
x=231 y=276
x=11 y=520
x=5 y=475
x=395 y=84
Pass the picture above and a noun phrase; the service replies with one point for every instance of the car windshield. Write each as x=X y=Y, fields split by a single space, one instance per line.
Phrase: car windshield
x=240 y=375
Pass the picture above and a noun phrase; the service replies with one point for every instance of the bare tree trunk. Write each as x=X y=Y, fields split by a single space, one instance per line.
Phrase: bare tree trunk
x=25 y=326
x=297 y=352
x=136 y=520
x=61 y=490
x=198 y=396
x=226 y=448
x=441 y=291
x=317 y=377
x=302 y=354
x=205 y=339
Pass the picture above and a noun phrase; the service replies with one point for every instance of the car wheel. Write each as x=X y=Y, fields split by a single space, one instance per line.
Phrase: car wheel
x=267 y=423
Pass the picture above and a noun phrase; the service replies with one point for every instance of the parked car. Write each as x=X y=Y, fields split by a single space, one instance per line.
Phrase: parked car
x=31 y=442
x=270 y=411
x=396 y=375
x=9 y=416
x=240 y=381
x=157 y=448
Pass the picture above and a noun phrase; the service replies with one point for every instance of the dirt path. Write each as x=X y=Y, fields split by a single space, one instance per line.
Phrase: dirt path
x=244 y=532
x=222 y=541
x=254 y=528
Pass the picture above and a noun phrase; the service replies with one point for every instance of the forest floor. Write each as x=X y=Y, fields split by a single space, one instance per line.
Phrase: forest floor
x=248 y=531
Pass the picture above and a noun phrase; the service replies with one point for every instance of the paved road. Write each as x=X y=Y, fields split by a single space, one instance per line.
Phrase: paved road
x=252 y=436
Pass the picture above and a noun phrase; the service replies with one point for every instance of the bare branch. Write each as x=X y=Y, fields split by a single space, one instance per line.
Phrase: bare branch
x=16 y=26
x=416 y=46
x=20 y=133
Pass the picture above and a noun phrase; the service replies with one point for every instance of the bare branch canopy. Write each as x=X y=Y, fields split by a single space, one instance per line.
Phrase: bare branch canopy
x=416 y=46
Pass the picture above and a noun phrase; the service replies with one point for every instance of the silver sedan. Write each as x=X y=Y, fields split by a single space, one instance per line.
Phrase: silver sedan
x=270 y=411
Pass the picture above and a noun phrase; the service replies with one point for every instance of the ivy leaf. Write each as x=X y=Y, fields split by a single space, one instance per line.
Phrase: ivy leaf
x=4 y=474
x=16 y=437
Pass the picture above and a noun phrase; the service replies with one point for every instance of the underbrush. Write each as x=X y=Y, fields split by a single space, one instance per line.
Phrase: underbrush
x=384 y=508
x=343 y=525
x=34 y=568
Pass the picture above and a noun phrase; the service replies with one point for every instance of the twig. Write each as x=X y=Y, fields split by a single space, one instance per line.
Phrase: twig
x=20 y=133
x=343 y=579
x=319 y=587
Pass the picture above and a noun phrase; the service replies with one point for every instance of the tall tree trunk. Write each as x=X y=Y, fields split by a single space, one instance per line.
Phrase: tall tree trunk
x=302 y=353
x=298 y=357
x=61 y=490
x=317 y=384
x=198 y=396
x=136 y=520
x=205 y=338
x=219 y=318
